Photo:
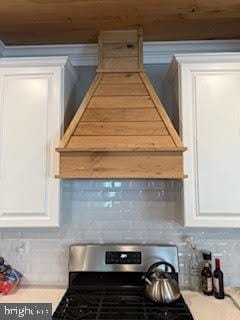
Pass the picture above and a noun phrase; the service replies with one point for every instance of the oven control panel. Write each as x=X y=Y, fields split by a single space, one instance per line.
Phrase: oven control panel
x=123 y=257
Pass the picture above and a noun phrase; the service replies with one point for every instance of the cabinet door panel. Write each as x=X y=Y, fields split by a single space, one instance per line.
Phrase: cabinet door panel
x=30 y=121
x=218 y=143
x=24 y=149
x=210 y=128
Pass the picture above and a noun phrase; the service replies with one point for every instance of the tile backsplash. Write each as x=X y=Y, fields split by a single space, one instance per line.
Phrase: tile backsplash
x=115 y=211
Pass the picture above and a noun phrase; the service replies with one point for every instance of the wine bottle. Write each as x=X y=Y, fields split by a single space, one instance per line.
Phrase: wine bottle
x=218 y=281
x=206 y=277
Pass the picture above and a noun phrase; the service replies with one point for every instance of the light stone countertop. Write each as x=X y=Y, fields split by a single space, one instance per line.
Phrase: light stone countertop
x=209 y=308
x=202 y=307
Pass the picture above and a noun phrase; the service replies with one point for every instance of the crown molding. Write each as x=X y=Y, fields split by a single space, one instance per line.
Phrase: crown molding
x=79 y=54
x=34 y=61
x=163 y=52
x=154 y=52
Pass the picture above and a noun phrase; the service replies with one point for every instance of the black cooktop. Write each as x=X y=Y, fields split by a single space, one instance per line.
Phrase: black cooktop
x=116 y=303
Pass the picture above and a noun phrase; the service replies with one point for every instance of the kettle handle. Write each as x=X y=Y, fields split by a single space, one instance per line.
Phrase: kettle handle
x=157 y=264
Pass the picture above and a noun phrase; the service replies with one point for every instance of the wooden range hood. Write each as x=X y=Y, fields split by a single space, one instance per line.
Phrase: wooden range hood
x=121 y=129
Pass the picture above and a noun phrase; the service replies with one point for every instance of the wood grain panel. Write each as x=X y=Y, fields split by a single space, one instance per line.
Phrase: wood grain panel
x=121 y=102
x=79 y=21
x=127 y=78
x=120 y=63
x=120 y=50
x=123 y=143
x=112 y=115
x=121 y=129
x=119 y=36
x=150 y=165
x=65 y=33
x=121 y=90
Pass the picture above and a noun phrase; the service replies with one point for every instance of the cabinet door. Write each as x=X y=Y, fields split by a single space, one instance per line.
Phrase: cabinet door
x=211 y=130
x=30 y=119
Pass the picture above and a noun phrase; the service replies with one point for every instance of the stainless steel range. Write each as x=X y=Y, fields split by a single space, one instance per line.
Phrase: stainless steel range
x=107 y=282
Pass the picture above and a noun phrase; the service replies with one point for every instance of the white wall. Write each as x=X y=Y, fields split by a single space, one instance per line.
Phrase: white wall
x=126 y=211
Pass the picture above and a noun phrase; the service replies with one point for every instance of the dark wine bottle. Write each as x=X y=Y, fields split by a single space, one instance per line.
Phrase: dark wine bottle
x=206 y=277
x=218 y=281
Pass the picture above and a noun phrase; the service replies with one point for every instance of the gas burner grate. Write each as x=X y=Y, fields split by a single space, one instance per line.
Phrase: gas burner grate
x=117 y=304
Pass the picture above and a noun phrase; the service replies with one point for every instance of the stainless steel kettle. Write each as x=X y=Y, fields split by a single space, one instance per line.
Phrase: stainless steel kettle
x=160 y=287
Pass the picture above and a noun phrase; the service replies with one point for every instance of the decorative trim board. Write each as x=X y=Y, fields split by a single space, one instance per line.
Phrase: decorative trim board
x=154 y=52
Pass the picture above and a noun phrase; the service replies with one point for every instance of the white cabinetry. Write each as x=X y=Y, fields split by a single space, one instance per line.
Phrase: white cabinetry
x=34 y=94
x=208 y=87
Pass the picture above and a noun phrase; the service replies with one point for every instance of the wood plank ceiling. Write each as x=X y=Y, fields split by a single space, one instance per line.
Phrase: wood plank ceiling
x=78 y=21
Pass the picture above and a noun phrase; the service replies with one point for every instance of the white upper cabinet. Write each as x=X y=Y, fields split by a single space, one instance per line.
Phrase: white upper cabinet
x=208 y=95
x=34 y=95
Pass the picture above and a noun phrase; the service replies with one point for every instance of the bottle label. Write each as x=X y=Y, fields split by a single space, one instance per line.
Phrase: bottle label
x=216 y=284
x=207 y=285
